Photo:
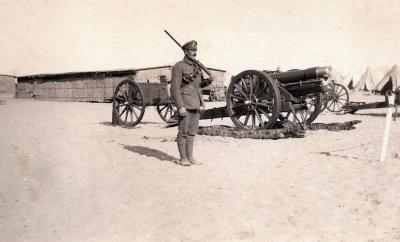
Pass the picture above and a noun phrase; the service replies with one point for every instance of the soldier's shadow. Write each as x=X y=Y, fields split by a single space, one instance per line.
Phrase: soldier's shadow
x=141 y=150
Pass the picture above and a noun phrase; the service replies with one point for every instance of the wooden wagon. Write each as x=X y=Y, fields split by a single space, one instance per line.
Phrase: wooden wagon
x=131 y=99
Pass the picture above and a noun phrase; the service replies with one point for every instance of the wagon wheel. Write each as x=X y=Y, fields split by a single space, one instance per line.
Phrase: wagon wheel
x=166 y=111
x=340 y=98
x=213 y=95
x=128 y=103
x=314 y=103
x=253 y=100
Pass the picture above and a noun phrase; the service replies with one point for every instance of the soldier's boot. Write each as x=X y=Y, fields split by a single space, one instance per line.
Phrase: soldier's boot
x=182 y=153
x=189 y=151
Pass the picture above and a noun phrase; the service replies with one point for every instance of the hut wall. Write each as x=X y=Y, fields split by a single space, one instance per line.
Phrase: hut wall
x=219 y=77
x=7 y=84
x=153 y=75
x=24 y=90
x=92 y=89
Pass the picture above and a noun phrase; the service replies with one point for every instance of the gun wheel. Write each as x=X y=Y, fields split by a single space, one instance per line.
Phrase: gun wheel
x=340 y=98
x=213 y=95
x=128 y=104
x=314 y=103
x=253 y=100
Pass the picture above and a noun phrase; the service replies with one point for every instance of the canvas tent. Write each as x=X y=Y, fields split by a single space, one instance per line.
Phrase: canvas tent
x=349 y=79
x=391 y=80
x=350 y=83
x=366 y=82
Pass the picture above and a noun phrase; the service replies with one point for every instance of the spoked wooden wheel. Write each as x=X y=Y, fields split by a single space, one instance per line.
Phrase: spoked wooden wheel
x=166 y=111
x=213 y=95
x=340 y=98
x=128 y=104
x=314 y=105
x=253 y=100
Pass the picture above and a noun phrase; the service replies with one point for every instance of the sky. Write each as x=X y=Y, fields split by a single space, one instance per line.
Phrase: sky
x=55 y=36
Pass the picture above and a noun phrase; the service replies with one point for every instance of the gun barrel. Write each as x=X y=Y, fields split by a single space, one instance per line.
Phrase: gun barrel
x=297 y=75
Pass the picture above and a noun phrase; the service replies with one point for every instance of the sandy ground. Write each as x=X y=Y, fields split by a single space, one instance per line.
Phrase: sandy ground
x=67 y=174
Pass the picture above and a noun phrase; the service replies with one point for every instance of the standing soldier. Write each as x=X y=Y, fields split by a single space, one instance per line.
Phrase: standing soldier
x=186 y=80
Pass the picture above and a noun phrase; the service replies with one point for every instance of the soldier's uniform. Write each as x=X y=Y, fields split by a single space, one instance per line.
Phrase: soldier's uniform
x=186 y=81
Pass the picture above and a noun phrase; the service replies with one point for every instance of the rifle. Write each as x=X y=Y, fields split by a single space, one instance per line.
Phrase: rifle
x=195 y=61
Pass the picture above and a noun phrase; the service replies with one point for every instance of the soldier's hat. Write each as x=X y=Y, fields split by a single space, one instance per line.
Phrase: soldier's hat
x=191 y=45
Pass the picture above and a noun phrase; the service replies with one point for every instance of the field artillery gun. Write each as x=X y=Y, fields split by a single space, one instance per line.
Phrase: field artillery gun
x=258 y=99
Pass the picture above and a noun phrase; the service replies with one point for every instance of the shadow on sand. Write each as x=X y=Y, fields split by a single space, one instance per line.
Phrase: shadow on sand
x=327 y=153
x=141 y=150
x=116 y=125
x=119 y=126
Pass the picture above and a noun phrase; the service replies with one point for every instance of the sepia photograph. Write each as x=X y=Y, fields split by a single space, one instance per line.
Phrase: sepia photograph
x=236 y=120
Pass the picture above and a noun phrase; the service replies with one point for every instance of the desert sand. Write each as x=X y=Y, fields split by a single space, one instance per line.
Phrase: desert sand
x=67 y=174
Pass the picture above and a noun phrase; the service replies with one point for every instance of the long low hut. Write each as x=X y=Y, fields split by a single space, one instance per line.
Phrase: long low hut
x=94 y=86
x=7 y=84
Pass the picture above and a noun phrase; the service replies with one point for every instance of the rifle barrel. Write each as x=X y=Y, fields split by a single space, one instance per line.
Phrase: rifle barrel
x=180 y=46
x=196 y=61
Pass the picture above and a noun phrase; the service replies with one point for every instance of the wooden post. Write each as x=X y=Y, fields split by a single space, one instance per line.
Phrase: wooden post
x=389 y=113
x=115 y=116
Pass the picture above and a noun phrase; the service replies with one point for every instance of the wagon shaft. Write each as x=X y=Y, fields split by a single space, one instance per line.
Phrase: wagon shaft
x=214 y=113
x=353 y=107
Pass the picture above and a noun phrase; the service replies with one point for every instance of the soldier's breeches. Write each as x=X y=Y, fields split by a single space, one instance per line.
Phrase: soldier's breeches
x=187 y=129
x=188 y=125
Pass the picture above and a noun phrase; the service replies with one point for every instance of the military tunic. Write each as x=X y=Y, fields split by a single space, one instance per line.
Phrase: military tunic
x=186 y=81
